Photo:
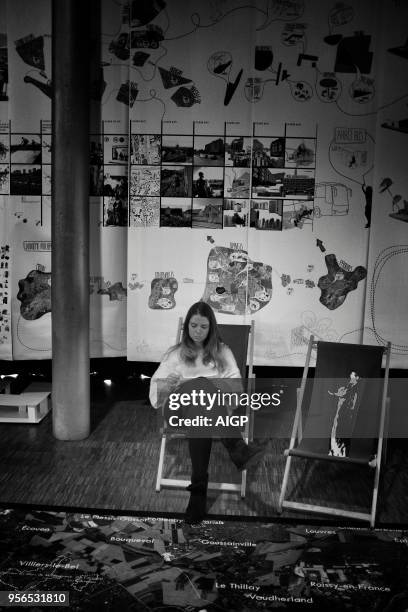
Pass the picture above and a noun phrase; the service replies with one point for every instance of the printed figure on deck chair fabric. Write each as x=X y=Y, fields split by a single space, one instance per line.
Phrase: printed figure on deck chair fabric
x=343 y=420
x=191 y=364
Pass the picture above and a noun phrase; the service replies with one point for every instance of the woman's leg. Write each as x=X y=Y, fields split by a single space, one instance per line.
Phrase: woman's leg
x=241 y=454
x=200 y=452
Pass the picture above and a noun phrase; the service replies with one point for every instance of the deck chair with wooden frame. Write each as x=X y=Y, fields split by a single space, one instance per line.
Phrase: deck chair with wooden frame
x=240 y=339
x=313 y=430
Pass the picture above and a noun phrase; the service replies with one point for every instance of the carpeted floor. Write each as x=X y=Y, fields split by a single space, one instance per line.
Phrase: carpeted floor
x=115 y=468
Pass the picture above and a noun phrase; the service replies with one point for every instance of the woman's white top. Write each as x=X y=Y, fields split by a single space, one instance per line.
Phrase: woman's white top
x=173 y=364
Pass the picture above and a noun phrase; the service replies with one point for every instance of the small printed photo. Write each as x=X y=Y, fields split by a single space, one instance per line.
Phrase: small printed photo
x=266 y=214
x=95 y=150
x=176 y=181
x=115 y=181
x=300 y=153
x=4 y=148
x=208 y=182
x=145 y=181
x=268 y=152
x=46 y=179
x=297 y=214
x=96 y=180
x=115 y=212
x=299 y=183
x=238 y=151
x=115 y=149
x=236 y=183
x=4 y=179
x=177 y=149
x=46 y=148
x=175 y=212
x=207 y=212
x=144 y=212
x=236 y=213
x=267 y=182
x=25 y=180
x=145 y=149
x=291 y=183
x=25 y=149
x=208 y=151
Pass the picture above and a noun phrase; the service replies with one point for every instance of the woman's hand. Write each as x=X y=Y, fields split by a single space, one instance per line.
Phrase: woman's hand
x=173 y=380
x=167 y=386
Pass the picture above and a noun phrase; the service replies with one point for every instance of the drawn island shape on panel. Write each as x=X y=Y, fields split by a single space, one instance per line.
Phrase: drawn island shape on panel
x=162 y=292
x=336 y=284
x=35 y=294
x=235 y=284
x=116 y=292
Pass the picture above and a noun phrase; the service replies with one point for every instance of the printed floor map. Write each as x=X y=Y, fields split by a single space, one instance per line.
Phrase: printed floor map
x=108 y=562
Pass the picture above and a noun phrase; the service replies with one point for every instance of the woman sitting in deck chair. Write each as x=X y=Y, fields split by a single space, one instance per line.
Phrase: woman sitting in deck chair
x=199 y=357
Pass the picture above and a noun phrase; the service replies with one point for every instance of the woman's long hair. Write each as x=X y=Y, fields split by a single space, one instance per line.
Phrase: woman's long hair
x=212 y=345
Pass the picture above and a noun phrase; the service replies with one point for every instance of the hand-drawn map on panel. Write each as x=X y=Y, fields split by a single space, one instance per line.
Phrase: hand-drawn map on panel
x=235 y=284
x=162 y=293
x=116 y=291
x=336 y=284
x=35 y=294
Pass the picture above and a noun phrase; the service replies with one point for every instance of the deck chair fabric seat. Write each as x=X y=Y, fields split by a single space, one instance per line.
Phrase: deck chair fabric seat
x=343 y=417
x=240 y=339
x=295 y=452
x=334 y=364
x=237 y=338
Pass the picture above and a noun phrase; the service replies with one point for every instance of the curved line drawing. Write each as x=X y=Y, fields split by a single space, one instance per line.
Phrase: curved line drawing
x=384 y=256
x=30 y=348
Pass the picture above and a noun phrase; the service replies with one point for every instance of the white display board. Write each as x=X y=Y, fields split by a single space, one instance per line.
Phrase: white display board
x=266 y=130
x=248 y=154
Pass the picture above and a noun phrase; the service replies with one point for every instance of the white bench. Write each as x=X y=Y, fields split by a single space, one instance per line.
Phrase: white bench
x=31 y=406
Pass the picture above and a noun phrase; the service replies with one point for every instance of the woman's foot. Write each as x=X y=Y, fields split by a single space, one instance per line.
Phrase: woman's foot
x=196 y=509
x=241 y=454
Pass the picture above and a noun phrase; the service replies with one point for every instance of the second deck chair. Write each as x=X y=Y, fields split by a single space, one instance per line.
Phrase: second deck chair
x=315 y=425
x=240 y=339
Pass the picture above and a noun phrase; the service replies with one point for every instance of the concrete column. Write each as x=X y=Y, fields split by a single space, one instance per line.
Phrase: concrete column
x=70 y=219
